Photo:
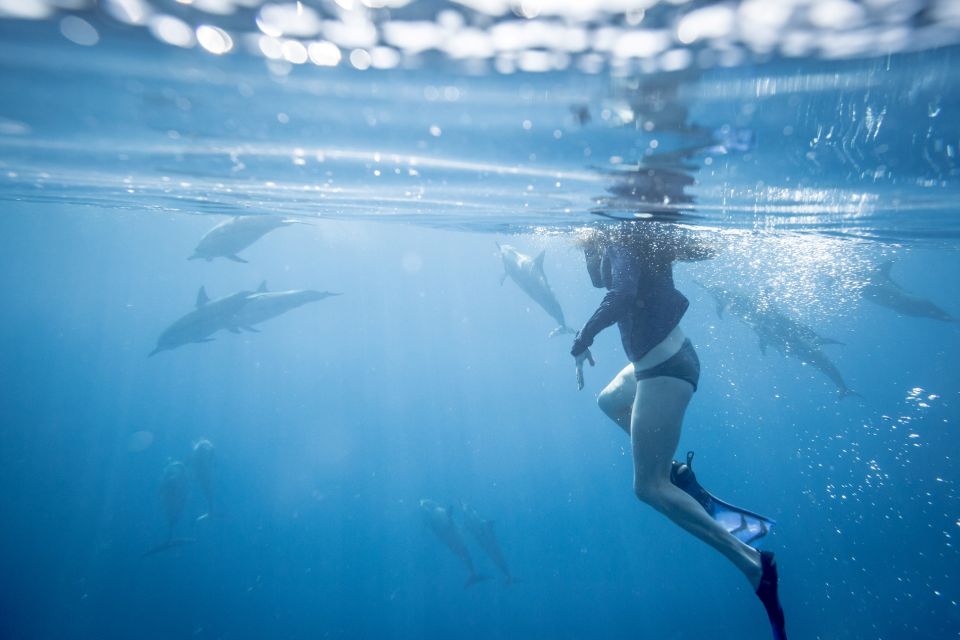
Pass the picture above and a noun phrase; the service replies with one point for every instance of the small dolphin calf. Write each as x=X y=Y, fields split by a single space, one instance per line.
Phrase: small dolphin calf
x=441 y=522
x=264 y=305
x=882 y=290
x=173 y=496
x=528 y=273
x=235 y=234
x=201 y=464
x=482 y=531
x=207 y=318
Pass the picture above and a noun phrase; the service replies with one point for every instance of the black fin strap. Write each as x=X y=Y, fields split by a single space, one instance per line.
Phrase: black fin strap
x=690 y=460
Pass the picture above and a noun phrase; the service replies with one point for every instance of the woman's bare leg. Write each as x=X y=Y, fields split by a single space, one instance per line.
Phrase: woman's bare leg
x=657 y=417
x=616 y=399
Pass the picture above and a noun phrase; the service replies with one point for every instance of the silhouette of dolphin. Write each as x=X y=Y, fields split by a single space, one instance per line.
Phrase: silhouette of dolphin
x=882 y=290
x=235 y=234
x=528 y=273
x=263 y=305
x=441 y=522
x=786 y=335
x=482 y=531
x=207 y=318
x=173 y=497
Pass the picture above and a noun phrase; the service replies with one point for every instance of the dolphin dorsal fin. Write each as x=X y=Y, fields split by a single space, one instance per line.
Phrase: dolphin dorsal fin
x=538 y=261
x=202 y=297
x=263 y=287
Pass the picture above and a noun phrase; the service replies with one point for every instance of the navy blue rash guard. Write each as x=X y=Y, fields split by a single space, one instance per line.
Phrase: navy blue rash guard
x=641 y=296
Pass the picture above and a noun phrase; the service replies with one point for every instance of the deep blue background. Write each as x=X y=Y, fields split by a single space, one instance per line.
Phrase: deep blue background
x=333 y=422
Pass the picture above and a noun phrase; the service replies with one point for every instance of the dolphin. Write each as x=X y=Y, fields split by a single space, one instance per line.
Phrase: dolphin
x=441 y=522
x=263 y=305
x=882 y=290
x=173 y=496
x=201 y=464
x=482 y=531
x=207 y=318
x=235 y=234
x=786 y=335
x=528 y=273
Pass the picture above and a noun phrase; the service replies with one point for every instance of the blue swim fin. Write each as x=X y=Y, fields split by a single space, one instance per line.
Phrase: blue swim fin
x=748 y=526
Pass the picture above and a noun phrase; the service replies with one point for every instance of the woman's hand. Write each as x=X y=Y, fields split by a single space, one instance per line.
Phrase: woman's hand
x=584 y=355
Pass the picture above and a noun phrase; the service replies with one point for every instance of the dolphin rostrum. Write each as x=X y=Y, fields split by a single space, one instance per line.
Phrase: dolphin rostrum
x=528 y=273
x=207 y=318
x=201 y=464
x=235 y=234
x=882 y=290
x=441 y=522
x=173 y=496
x=263 y=305
x=775 y=329
x=482 y=531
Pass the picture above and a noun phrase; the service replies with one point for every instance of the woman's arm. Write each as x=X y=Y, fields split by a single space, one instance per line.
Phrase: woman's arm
x=623 y=290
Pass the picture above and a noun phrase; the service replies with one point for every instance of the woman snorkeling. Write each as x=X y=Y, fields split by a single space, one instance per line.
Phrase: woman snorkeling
x=648 y=398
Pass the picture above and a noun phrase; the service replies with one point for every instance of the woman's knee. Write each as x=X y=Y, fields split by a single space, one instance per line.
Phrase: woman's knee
x=651 y=492
x=607 y=401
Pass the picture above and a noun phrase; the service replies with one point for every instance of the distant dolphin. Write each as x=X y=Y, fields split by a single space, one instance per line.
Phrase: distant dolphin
x=264 y=305
x=482 y=531
x=173 y=496
x=235 y=234
x=207 y=318
x=773 y=328
x=202 y=464
x=528 y=273
x=882 y=290
x=441 y=522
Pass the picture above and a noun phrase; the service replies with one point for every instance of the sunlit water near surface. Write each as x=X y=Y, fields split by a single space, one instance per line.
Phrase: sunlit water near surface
x=427 y=379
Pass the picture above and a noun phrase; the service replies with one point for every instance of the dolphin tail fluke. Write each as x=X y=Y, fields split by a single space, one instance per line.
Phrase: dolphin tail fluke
x=236 y=258
x=169 y=544
x=848 y=393
x=561 y=330
x=475 y=578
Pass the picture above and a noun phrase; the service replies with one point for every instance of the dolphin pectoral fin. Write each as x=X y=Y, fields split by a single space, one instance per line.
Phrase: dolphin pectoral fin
x=195 y=256
x=204 y=340
x=154 y=352
x=503 y=278
x=250 y=329
x=538 y=261
x=233 y=329
x=236 y=258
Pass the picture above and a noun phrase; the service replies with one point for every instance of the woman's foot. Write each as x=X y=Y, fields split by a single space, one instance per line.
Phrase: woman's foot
x=767 y=592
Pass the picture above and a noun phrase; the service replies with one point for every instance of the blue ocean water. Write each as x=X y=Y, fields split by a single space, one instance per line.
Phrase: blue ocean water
x=428 y=379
